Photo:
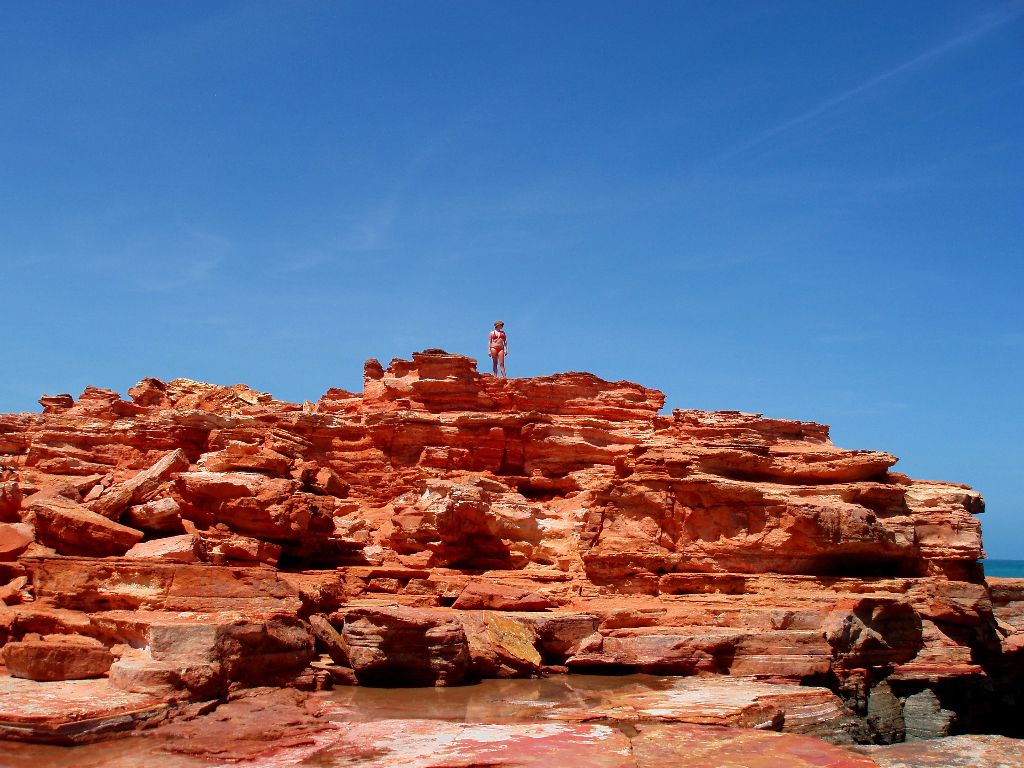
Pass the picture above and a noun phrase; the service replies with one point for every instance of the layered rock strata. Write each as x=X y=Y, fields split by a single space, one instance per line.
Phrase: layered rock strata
x=443 y=526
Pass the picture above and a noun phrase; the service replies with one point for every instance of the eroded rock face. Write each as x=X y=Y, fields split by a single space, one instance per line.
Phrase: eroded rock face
x=444 y=525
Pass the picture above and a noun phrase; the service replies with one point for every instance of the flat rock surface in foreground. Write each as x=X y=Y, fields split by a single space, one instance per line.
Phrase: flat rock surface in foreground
x=951 y=752
x=69 y=711
x=659 y=746
x=439 y=744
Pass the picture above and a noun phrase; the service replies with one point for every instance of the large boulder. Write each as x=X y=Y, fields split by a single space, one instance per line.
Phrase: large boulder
x=57 y=657
x=477 y=596
x=159 y=515
x=330 y=640
x=14 y=539
x=406 y=646
x=119 y=497
x=478 y=524
x=73 y=529
x=500 y=645
x=179 y=549
x=10 y=500
x=255 y=505
x=205 y=652
x=248 y=457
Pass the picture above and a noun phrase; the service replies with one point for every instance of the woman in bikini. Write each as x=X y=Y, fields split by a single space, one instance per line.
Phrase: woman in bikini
x=497 y=347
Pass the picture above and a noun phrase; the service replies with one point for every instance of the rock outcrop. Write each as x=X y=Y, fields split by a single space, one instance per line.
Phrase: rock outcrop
x=443 y=526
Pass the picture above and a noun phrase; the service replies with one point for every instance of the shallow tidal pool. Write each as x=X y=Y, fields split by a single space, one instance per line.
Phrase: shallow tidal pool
x=487 y=702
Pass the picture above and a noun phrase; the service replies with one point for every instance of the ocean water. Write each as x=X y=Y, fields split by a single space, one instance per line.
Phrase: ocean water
x=1007 y=568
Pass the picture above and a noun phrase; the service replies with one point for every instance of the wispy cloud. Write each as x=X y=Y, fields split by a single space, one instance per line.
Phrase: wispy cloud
x=188 y=274
x=20 y=261
x=844 y=339
x=1012 y=339
x=200 y=271
x=372 y=229
x=987 y=23
x=379 y=224
x=862 y=402
x=192 y=262
x=297 y=261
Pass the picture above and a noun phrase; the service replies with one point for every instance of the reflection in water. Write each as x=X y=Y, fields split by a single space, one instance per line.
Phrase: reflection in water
x=491 y=701
x=137 y=751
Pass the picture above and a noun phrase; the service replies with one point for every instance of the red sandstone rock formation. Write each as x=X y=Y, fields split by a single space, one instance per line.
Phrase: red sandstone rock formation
x=445 y=526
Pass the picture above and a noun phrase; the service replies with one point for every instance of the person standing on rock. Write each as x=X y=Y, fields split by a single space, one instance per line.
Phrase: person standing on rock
x=497 y=347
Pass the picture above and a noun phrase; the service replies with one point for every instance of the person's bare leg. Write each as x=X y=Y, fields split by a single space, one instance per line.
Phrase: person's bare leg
x=494 y=359
x=500 y=358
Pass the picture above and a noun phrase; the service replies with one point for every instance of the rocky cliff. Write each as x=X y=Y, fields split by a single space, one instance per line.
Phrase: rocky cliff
x=443 y=526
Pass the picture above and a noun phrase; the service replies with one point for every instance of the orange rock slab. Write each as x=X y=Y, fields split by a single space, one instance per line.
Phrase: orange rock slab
x=72 y=711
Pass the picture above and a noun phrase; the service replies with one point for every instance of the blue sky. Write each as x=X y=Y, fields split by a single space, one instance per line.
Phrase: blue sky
x=811 y=210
